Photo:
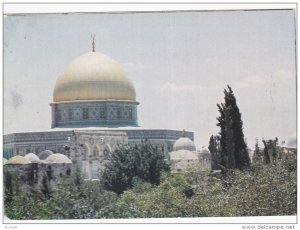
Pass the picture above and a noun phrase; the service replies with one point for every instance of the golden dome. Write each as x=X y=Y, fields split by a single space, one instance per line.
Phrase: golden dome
x=93 y=76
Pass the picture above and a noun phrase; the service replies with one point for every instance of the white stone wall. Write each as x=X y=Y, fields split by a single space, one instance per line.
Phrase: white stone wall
x=202 y=161
x=90 y=149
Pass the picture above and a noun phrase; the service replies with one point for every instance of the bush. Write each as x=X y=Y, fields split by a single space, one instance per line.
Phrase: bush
x=68 y=200
x=164 y=200
x=266 y=190
x=262 y=190
x=128 y=164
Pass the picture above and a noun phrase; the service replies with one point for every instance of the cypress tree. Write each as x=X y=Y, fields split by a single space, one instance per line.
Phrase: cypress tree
x=257 y=153
x=221 y=123
x=270 y=150
x=214 y=148
x=233 y=146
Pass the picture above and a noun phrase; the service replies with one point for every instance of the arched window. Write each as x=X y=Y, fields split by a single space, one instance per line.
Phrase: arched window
x=85 y=153
x=106 y=152
x=86 y=162
x=96 y=152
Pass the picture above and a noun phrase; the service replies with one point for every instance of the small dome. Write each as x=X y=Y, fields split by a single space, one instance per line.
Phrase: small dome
x=183 y=155
x=44 y=154
x=93 y=76
x=184 y=143
x=58 y=158
x=18 y=160
x=204 y=150
x=32 y=158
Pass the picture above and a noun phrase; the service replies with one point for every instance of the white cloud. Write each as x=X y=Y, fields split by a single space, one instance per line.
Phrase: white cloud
x=173 y=87
x=278 y=77
x=136 y=65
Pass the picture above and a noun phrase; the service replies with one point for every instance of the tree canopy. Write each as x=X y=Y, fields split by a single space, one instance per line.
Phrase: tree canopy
x=263 y=190
x=127 y=165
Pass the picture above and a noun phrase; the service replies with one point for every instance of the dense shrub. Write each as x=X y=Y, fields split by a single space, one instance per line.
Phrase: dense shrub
x=266 y=189
x=128 y=164
x=262 y=190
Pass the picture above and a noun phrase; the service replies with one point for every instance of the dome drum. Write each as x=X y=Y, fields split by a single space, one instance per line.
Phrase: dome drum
x=94 y=113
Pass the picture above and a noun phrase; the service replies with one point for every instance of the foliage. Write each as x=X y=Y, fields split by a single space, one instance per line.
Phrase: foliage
x=164 y=200
x=270 y=150
x=257 y=155
x=266 y=189
x=262 y=190
x=128 y=164
x=46 y=187
x=24 y=207
x=233 y=147
x=87 y=202
x=8 y=187
x=215 y=151
x=68 y=200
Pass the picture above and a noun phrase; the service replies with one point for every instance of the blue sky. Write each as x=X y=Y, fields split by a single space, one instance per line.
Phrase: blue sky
x=179 y=63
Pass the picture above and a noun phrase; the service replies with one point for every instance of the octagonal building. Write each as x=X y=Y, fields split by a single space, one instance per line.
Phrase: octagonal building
x=94 y=109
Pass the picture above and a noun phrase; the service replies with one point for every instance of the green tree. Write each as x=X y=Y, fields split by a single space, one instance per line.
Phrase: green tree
x=46 y=187
x=257 y=155
x=266 y=189
x=215 y=151
x=270 y=150
x=8 y=186
x=263 y=190
x=234 y=152
x=127 y=164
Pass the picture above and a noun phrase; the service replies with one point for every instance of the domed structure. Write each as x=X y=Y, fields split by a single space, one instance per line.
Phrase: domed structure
x=204 y=150
x=183 y=154
x=184 y=143
x=4 y=161
x=32 y=158
x=205 y=158
x=58 y=158
x=94 y=110
x=44 y=154
x=94 y=90
x=93 y=76
x=18 y=160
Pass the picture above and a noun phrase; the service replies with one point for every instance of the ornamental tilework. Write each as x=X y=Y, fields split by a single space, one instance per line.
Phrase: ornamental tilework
x=96 y=113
